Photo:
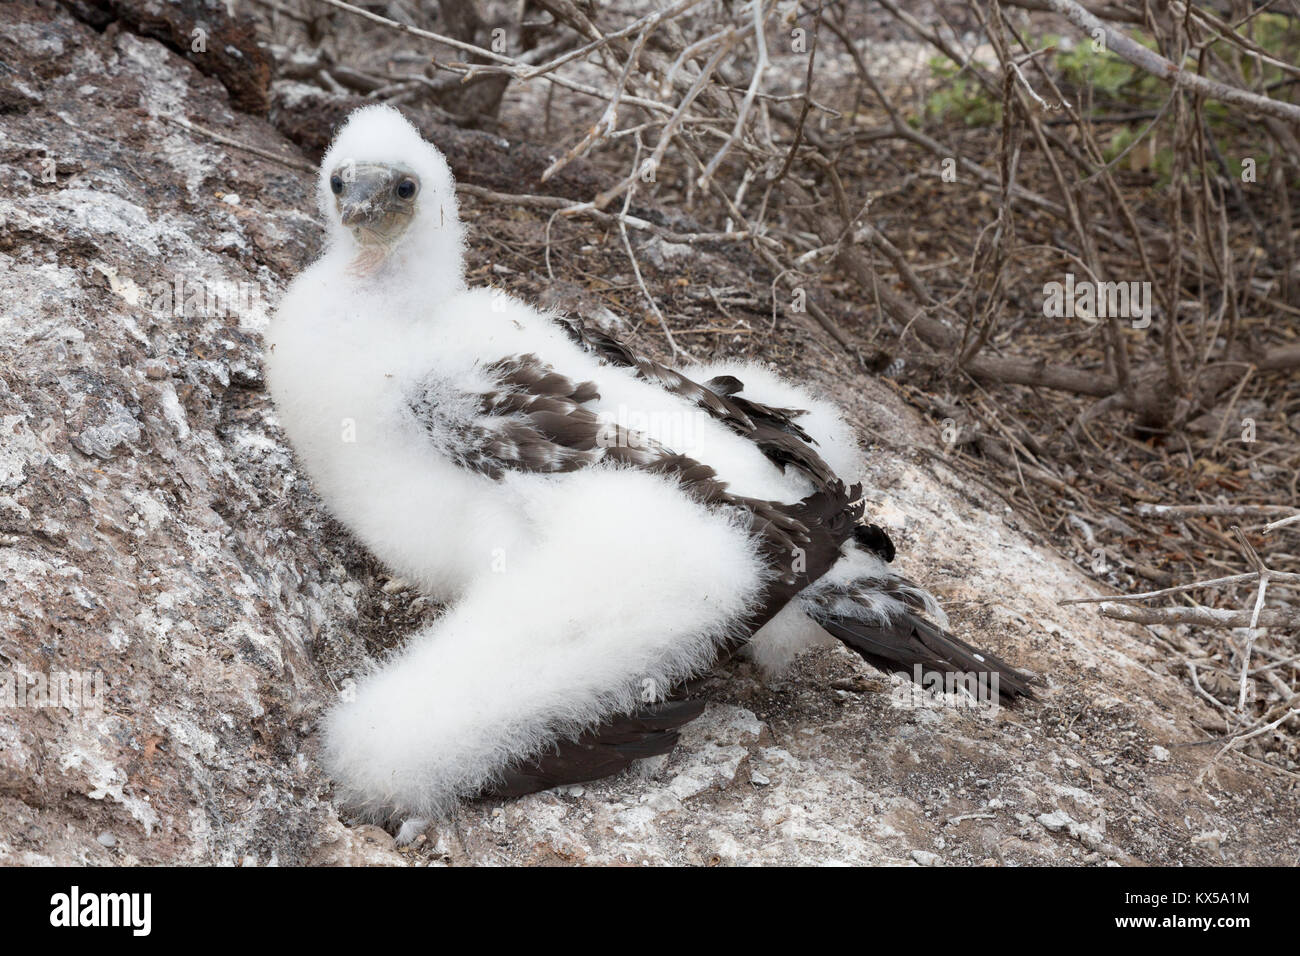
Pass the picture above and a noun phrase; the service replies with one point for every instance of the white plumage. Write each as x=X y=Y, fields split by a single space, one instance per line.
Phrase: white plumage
x=579 y=586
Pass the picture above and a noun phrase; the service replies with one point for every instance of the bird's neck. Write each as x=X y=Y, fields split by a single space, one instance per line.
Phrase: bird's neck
x=428 y=272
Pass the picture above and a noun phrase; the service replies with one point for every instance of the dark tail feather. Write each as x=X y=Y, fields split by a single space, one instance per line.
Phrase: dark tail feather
x=602 y=751
x=910 y=640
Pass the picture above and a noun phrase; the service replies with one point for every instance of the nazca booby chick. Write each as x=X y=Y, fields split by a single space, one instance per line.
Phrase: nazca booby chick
x=602 y=527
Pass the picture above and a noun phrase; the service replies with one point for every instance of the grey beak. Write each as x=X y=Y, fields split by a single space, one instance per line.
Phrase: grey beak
x=361 y=201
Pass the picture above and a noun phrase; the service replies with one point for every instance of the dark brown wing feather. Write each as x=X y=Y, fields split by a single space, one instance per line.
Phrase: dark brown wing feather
x=602 y=751
x=774 y=430
x=536 y=420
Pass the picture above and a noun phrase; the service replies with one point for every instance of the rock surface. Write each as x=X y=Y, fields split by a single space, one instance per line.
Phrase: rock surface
x=155 y=534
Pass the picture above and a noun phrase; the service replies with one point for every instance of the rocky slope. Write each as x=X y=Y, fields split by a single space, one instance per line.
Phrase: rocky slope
x=154 y=532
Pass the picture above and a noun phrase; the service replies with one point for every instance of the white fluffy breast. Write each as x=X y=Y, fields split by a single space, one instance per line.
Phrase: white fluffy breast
x=341 y=369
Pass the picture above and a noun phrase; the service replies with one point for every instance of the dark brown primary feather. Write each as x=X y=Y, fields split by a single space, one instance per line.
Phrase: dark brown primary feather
x=910 y=640
x=900 y=643
x=874 y=538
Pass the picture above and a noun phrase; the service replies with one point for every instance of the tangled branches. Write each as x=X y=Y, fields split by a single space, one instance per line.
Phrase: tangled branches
x=1075 y=218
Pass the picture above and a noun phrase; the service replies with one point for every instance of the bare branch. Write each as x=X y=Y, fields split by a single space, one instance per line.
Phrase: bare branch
x=1158 y=66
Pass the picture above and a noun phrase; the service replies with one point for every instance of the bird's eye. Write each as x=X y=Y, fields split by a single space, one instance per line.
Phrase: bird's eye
x=406 y=189
x=336 y=184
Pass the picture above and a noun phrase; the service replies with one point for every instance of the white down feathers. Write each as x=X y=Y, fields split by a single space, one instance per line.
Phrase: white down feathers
x=573 y=597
